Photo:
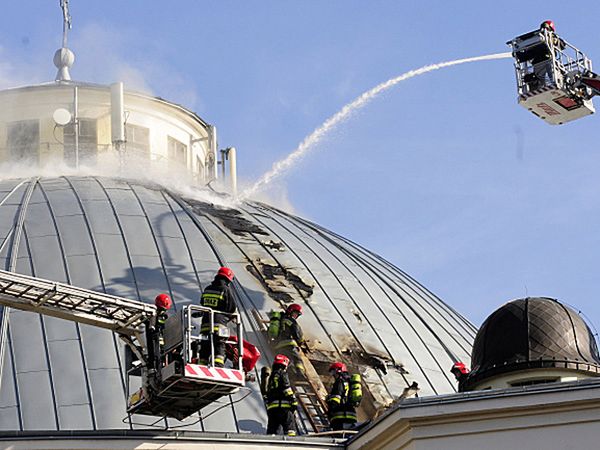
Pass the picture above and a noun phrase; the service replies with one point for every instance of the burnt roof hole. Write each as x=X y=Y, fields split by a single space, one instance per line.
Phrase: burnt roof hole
x=269 y=272
x=298 y=283
x=231 y=218
x=280 y=297
x=273 y=245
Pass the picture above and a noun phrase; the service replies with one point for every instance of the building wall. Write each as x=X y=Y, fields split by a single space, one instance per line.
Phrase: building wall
x=557 y=416
x=163 y=120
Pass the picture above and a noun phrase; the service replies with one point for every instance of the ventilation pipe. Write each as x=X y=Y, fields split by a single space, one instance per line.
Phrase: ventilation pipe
x=76 y=123
x=212 y=130
x=229 y=154
x=117 y=117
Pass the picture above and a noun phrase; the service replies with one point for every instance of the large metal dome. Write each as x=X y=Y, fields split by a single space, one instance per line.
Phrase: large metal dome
x=533 y=332
x=134 y=239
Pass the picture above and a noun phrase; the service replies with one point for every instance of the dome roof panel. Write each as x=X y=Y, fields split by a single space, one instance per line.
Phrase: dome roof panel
x=532 y=332
x=135 y=239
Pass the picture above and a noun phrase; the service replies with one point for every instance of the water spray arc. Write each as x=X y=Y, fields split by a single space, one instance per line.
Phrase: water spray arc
x=280 y=167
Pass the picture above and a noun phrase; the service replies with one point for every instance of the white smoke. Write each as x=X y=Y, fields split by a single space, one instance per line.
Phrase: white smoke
x=14 y=75
x=109 y=54
x=136 y=169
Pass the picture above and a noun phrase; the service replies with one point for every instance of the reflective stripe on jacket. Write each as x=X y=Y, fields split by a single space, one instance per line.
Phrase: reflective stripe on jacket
x=218 y=297
x=338 y=402
x=279 y=391
x=346 y=416
x=290 y=333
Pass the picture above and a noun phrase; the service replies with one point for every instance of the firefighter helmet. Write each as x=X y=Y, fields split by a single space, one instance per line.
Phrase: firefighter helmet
x=338 y=367
x=548 y=24
x=163 y=301
x=460 y=368
x=294 y=307
x=281 y=360
x=226 y=272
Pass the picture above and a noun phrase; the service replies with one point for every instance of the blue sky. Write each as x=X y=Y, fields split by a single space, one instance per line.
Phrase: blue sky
x=444 y=175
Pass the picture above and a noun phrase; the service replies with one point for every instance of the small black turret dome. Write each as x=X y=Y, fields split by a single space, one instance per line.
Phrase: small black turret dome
x=534 y=332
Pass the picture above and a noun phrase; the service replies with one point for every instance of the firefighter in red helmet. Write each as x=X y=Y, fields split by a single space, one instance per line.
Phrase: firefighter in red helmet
x=344 y=397
x=549 y=25
x=543 y=58
x=163 y=303
x=280 y=399
x=155 y=328
x=461 y=372
x=219 y=297
x=291 y=337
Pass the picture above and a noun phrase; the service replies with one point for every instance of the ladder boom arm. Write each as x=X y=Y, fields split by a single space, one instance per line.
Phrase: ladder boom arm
x=592 y=82
x=72 y=303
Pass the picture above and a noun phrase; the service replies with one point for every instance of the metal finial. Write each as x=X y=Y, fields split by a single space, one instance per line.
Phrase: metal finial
x=64 y=4
x=64 y=58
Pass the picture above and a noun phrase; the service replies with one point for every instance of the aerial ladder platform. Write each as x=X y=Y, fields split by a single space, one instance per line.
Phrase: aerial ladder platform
x=171 y=383
x=555 y=80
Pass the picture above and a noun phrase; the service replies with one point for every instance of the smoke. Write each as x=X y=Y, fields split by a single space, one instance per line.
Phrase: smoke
x=131 y=168
x=20 y=74
x=280 y=167
x=105 y=54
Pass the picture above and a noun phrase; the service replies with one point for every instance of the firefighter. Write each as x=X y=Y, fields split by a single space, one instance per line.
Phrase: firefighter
x=543 y=60
x=461 y=372
x=163 y=303
x=345 y=396
x=280 y=399
x=218 y=297
x=290 y=337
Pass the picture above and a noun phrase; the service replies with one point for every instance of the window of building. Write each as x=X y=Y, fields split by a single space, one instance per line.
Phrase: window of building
x=177 y=152
x=88 y=142
x=138 y=141
x=536 y=381
x=24 y=140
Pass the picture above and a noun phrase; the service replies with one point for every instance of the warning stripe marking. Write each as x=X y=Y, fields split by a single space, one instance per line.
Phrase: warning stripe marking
x=222 y=373
x=217 y=373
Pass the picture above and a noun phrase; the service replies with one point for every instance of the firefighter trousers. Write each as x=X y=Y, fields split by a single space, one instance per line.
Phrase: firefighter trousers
x=281 y=418
x=219 y=343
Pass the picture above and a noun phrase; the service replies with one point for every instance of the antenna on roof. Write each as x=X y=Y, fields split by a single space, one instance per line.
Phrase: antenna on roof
x=64 y=4
x=64 y=58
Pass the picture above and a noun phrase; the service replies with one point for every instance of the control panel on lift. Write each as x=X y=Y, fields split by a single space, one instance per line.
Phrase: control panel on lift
x=554 y=79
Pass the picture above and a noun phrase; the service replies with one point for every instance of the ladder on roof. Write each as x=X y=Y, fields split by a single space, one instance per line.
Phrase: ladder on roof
x=309 y=389
x=64 y=301
x=312 y=406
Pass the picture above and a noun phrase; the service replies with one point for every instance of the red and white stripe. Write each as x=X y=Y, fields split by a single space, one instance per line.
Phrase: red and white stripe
x=214 y=373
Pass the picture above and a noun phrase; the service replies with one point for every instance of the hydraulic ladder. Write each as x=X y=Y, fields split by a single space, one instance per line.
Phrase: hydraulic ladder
x=175 y=388
x=123 y=316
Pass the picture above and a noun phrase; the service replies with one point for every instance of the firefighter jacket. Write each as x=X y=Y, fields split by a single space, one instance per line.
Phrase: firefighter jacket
x=339 y=406
x=279 y=391
x=159 y=325
x=218 y=297
x=290 y=333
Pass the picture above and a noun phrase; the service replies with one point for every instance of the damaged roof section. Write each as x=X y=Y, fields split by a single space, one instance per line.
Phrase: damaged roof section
x=231 y=218
x=282 y=284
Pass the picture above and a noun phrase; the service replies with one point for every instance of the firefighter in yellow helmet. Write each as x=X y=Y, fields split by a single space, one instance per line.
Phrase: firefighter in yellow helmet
x=280 y=399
